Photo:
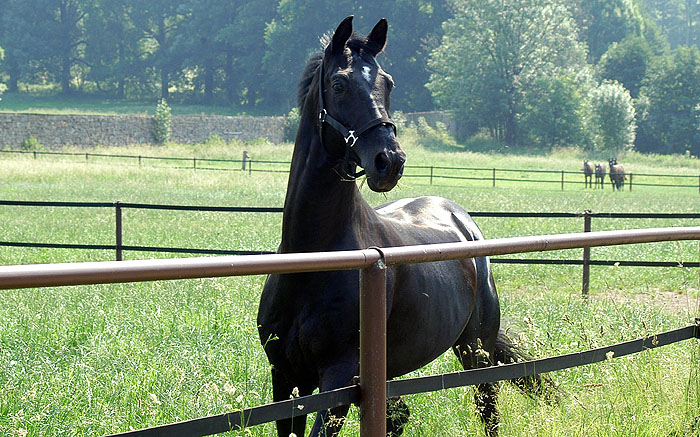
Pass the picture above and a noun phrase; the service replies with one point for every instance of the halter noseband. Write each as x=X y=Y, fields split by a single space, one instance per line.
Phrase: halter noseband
x=344 y=170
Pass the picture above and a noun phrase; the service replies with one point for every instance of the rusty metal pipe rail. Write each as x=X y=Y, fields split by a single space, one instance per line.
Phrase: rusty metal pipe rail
x=48 y=275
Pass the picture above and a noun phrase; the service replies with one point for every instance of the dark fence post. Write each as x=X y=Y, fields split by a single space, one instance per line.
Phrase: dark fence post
x=86 y=157
x=630 y=181
x=118 y=210
x=562 y=180
x=139 y=160
x=586 y=254
x=194 y=163
x=250 y=166
x=244 y=159
x=431 y=175
x=373 y=350
x=494 y=177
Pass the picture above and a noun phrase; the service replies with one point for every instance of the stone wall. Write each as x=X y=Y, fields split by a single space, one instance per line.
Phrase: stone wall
x=54 y=131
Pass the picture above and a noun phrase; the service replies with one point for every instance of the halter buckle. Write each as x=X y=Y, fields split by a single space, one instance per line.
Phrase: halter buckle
x=351 y=137
x=322 y=115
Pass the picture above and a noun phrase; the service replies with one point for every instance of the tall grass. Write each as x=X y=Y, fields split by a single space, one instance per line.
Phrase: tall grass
x=108 y=358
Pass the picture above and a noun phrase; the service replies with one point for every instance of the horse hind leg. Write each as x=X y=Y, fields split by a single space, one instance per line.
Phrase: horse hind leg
x=476 y=348
x=397 y=414
x=472 y=355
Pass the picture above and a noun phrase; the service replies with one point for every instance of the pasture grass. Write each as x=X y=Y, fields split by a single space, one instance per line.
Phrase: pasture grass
x=100 y=359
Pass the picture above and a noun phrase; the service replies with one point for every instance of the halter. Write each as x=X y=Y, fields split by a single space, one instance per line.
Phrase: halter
x=351 y=136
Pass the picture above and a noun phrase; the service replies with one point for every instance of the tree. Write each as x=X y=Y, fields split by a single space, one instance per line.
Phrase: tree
x=157 y=22
x=415 y=28
x=603 y=22
x=627 y=62
x=554 y=112
x=612 y=118
x=65 y=38
x=679 y=20
x=672 y=92
x=491 y=52
x=26 y=44
x=112 y=46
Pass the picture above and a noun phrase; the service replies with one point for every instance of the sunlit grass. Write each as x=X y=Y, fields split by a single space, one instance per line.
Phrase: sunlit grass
x=100 y=359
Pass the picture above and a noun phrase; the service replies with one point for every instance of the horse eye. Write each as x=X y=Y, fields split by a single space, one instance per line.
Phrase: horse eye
x=337 y=87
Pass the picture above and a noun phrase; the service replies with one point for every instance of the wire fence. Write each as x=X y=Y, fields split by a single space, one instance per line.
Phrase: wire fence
x=373 y=388
x=431 y=173
x=119 y=247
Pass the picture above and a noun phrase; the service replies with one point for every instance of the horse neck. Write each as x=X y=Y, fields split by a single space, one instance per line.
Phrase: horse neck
x=319 y=208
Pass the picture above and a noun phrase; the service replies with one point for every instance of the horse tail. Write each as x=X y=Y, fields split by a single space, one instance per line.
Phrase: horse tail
x=538 y=385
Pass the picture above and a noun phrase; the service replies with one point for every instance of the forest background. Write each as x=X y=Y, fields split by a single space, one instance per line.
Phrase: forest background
x=603 y=75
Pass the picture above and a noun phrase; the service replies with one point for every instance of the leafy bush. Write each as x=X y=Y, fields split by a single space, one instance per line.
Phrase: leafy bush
x=162 y=123
x=435 y=138
x=32 y=143
x=291 y=125
x=612 y=118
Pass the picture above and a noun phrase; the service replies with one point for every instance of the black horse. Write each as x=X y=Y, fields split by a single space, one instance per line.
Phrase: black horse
x=308 y=322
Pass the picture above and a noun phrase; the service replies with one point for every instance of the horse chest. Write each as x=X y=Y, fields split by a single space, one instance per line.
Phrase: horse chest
x=309 y=316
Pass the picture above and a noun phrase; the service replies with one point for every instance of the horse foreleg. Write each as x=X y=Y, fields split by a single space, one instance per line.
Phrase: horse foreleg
x=329 y=422
x=282 y=390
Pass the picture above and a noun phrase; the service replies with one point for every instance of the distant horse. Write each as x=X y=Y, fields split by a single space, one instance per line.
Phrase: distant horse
x=617 y=174
x=600 y=170
x=587 y=174
x=308 y=322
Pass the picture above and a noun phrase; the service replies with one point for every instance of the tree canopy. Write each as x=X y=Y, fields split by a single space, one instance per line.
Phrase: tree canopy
x=526 y=72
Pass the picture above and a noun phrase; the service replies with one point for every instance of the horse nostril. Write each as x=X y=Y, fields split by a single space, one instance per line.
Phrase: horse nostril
x=381 y=162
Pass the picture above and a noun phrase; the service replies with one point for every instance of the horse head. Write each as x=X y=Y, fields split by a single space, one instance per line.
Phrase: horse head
x=354 y=101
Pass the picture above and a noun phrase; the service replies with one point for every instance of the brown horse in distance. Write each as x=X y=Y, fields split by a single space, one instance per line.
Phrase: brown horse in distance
x=617 y=174
x=600 y=170
x=587 y=174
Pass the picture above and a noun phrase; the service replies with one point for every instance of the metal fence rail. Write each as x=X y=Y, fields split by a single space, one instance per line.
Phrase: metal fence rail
x=373 y=388
x=119 y=247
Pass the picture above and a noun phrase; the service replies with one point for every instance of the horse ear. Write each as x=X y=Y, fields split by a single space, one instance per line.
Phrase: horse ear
x=341 y=35
x=376 y=40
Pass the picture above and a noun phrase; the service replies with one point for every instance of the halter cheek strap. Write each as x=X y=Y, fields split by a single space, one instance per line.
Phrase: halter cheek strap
x=345 y=169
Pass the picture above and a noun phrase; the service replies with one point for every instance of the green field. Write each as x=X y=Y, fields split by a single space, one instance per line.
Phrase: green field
x=92 y=360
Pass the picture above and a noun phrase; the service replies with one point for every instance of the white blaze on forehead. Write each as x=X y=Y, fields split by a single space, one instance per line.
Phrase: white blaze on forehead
x=366 y=73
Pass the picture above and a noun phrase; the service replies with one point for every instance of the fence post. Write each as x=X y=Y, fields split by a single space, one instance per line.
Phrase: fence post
x=494 y=177
x=431 y=175
x=118 y=210
x=250 y=166
x=562 y=180
x=243 y=160
x=194 y=163
x=630 y=181
x=139 y=160
x=373 y=350
x=586 y=254
x=86 y=157
x=35 y=154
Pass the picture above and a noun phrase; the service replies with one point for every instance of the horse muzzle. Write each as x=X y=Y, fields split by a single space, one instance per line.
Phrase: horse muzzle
x=386 y=170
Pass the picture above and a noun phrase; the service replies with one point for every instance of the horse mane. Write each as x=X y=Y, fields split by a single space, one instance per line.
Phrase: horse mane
x=356 y=43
